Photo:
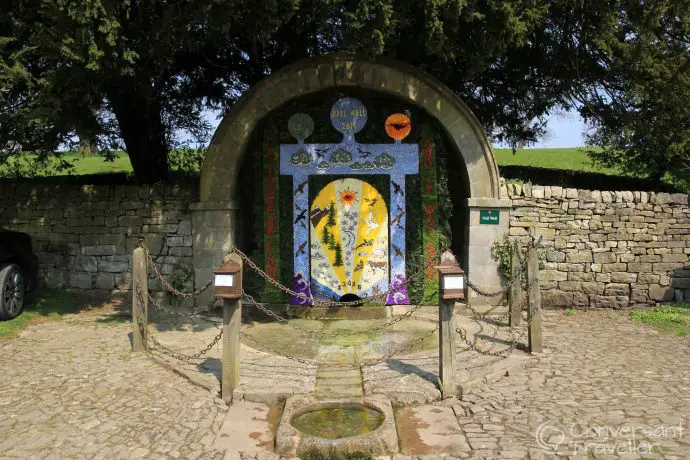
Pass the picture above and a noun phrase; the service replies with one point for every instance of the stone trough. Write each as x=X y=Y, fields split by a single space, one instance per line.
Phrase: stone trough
x=382 y=440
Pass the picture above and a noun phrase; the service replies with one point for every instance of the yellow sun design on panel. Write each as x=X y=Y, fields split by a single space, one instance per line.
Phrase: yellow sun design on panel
x=349 y=240
x=348 y=198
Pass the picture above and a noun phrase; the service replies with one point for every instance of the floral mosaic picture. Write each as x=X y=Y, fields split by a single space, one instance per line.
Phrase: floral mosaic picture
x=336 y=215
x=357 y=244
x=349 y=240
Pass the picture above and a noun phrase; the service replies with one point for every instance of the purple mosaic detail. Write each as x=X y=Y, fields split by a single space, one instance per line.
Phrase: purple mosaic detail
x=301 y=287
x=398 y=291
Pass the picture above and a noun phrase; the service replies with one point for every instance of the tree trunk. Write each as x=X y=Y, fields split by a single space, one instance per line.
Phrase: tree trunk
x=87 y=145
x=138 y=113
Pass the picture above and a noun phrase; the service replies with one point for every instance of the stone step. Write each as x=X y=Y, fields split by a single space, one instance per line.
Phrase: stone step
x=336 y=381
x=357 y=382
x=344 y=374
x=338 y=384
x=345 y=380
x=344 y=391
x=325 y=366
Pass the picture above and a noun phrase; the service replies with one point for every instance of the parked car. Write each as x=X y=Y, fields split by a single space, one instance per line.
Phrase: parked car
x=18 y=272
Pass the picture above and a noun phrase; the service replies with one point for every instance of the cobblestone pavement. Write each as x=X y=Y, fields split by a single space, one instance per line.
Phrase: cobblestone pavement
x=608 y=388
x=73 y=389
x=265 y=377
x=413 y=379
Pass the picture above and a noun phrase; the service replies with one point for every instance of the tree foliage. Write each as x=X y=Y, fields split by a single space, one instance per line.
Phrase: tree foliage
x=139 y=73
x=640 y=107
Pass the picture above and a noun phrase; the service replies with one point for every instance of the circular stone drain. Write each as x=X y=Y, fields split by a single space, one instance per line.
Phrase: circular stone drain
x=336 y=421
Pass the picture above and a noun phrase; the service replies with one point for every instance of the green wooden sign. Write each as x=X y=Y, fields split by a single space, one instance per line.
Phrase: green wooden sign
x=489 y=216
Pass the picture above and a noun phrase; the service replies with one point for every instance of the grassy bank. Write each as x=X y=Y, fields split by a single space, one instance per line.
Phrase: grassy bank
x=42 y=305
x=567 y=167
x=574 y=159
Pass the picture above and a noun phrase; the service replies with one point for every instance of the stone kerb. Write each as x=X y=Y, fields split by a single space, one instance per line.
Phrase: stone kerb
x=612 y=249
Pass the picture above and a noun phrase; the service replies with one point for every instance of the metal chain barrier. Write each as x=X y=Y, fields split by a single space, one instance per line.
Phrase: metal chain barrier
x=410 y=345
x=192 y=314
x=163 y=281
x=533 y=244
x=181 y=356
x=165 y=350
x=327 y=303
x=474 y=347
x=517 y=336
x=484 y=316
x=323 y=303
x=523 y=268
x=407 y=315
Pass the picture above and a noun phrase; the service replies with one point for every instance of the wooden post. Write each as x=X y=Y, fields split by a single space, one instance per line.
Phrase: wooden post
x=514 y=292
x=446 y=346
x=534 y=300
x=232 y=318
x=140 y=300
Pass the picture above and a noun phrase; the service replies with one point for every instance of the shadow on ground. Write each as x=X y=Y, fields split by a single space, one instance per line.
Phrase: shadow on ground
x=211 y=366
x=404 y=368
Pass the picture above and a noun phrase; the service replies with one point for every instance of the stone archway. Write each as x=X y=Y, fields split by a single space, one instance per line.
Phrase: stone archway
x=215 y=215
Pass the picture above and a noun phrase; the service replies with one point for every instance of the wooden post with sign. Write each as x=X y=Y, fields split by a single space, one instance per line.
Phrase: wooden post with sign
x=514 y=292
x=451 y=288
x=228 y=286
x=534 y=302
x=446 y=346
x=140 y=300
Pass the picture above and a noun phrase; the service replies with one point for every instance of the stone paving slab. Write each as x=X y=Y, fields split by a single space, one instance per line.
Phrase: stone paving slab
x=247 y=428
x=73 y=389
x=426 y=430
x=264 y=377
x=413 y=379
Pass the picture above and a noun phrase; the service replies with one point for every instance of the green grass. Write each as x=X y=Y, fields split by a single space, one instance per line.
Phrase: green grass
x=673 y=318
x=94 y=164
x=567 y=158
x=569 y=312
x=42 y=305
x=574 y=159
x=24 y=165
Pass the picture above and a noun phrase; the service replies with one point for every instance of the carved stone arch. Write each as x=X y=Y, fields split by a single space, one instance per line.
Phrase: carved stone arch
x=215 y=216
x=231 y=139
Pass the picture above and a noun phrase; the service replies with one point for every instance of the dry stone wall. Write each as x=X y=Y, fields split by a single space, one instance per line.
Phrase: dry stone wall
x=84 y=235
x=605 y=249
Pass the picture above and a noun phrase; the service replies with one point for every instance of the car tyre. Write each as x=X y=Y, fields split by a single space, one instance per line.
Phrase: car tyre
x=12 y=290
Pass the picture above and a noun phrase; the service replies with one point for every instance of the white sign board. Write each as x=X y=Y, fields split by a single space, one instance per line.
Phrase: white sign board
x=453 y=282
x=225 y=280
